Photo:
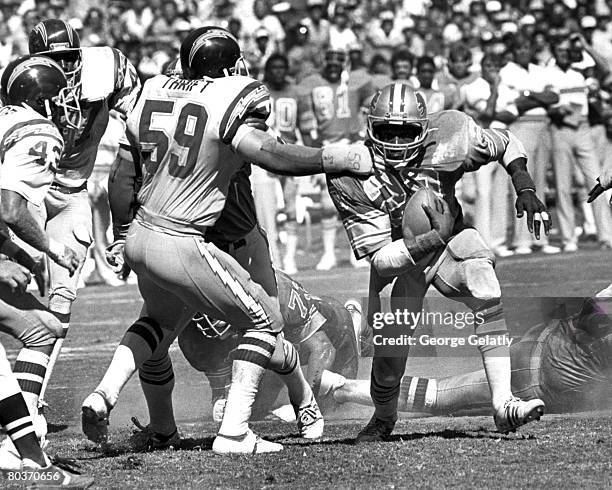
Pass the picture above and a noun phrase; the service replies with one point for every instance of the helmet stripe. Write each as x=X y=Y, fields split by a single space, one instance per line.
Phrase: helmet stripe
x=69 y=31
x=403 y=97
x=396 y=98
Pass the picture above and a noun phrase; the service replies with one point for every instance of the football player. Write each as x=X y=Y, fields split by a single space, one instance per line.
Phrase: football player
x=103 y=80
x=330 y=112
x=321 y=328
x=35 y=95
x=184 y=189
x=414 y=151
x=564 y=362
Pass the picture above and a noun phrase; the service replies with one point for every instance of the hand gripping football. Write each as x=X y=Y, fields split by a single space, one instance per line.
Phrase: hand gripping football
x=417 y=221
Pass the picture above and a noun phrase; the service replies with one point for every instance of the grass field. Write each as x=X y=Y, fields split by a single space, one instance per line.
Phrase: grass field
x=560 y=451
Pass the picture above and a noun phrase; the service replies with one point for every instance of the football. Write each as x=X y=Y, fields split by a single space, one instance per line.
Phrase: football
x=415 y=221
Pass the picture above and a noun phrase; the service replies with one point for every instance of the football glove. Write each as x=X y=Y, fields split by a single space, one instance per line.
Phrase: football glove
x=115 y=259
x=528 y=202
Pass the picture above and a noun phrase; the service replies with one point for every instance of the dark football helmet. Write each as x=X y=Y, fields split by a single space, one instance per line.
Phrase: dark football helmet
x=40 y=83
x=59 y=41
x=211 y=52
x=212 y=329
x=397 y=124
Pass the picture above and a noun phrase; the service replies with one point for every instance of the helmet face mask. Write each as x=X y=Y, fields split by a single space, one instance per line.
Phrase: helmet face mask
x=398 y=125
x=212 y=329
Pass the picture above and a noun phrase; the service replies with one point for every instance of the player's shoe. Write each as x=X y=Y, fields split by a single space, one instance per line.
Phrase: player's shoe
x=330 y=383
x=95 y=413
x=145 y=439
x=523 y=250
x=503 y=251
x=218 y=409
x=570 y=247
x=51 y=476
x=327 y=262
x=310 y=420
x=517 y=412
x=377 y=430
x=550 y=249
x=10 y=459
x=250 y=443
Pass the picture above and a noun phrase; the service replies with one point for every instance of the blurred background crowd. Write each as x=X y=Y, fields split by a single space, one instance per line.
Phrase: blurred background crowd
x=539 y=67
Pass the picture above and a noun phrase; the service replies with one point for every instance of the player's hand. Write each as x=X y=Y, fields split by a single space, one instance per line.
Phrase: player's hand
x=256 y=122
x=442 y=223
x=340 y=157
x=537 y=216
x=41 y=276
x=604 y=182
x=64 y=256
x=116 y=259
x=15 y=276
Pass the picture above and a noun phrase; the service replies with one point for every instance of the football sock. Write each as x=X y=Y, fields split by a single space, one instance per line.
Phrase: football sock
x=219 y=381
x=300 y=392
x=251 y=358
x=417 y=394
x=495 y=355
x=137 y=346
x=30 y=369
x=157 y=381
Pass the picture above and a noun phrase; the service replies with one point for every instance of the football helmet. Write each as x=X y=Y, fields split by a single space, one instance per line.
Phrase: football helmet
x=397 y=124
x=40 y=83
x=212 y=329
x=59 y=41
x=211 y=52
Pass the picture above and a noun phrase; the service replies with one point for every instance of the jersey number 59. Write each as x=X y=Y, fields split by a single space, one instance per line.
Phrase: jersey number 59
x=182 y=148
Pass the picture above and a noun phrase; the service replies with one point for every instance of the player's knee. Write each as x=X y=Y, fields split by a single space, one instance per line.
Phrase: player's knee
x=481 y=280
x=256 y=347
x=285 y=357
x=42 y=334
x=146 y=331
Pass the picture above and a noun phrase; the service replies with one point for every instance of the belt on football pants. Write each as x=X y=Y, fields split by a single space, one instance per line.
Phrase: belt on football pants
x=64 y=189
x=230 y=246
x=167 y=224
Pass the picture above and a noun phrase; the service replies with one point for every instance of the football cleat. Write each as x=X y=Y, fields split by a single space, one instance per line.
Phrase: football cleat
x=249 y=443
x=377 y=430
x=517 y=412
x=145 y=439
x=327 y=262
x=95 y=413
x=330 y=383
x=51 y=476
x=310 y=420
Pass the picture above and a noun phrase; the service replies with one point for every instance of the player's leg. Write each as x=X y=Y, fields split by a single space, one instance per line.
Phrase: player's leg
x=466 y=273
x=329 y=223
x=290 y=189
x=563 y=160
x=26 y=319
x=264 y=194
x=385 y=382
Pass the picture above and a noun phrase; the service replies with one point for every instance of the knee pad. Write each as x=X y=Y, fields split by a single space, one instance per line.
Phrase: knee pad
x=41 y=335
x=481 y=280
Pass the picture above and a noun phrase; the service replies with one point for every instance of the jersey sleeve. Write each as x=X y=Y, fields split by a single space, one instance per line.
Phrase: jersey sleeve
x=491 y=145
x=368 y=228
x=253 y=100
x=126 y=87
x=30 y=152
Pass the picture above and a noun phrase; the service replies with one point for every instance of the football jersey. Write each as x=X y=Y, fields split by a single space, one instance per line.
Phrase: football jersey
x=186 y=131
x=333 y=109
x=30 y=149
x=284 y=112
x=107 y=81
x=372 y=209
x=298 y=308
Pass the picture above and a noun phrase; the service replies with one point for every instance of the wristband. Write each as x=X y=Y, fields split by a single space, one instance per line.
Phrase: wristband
x=522 y=181
x=422 y=244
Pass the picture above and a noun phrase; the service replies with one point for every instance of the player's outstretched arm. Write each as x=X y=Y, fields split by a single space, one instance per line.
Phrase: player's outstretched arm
x=321 y=356
x=269 y=153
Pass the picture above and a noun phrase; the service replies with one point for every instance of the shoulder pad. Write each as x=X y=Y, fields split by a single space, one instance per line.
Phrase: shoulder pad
x=448 y=139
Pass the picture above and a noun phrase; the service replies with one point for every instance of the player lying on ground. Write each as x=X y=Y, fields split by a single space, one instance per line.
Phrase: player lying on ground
x=185 y=184
x=420 y=239
x=34 y=94
x=322 y=329
x=564 y=362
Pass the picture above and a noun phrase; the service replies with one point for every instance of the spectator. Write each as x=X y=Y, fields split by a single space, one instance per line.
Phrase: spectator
x=137 y=19
x=167 y=22
x=264 y=20
x=318 y=28
x=6 y=45
x=573 y=145
x=426 y=83
x=383 y=38
x=303 y=56
x=532 y=84
x=341 y=37
x=95 y=31
x=259 y=51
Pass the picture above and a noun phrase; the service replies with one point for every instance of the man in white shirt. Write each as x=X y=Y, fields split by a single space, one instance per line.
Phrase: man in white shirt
x=572 y=144
x=491 y=104
x=531 y=82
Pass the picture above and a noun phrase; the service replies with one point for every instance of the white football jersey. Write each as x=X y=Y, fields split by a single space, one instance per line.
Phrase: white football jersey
x=187 y=133
x=30 y=149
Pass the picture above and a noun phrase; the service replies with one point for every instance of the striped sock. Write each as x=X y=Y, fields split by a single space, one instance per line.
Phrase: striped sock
x=220 y=381
x=157 y=381
x=417 y=394
x=17 y=421
x=30 y=369
x=251 y=358
x=289 y=369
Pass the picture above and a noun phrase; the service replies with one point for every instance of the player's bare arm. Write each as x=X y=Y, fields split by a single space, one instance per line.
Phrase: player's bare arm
x=267 y=152
x=321 y=356
x=15 y=213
